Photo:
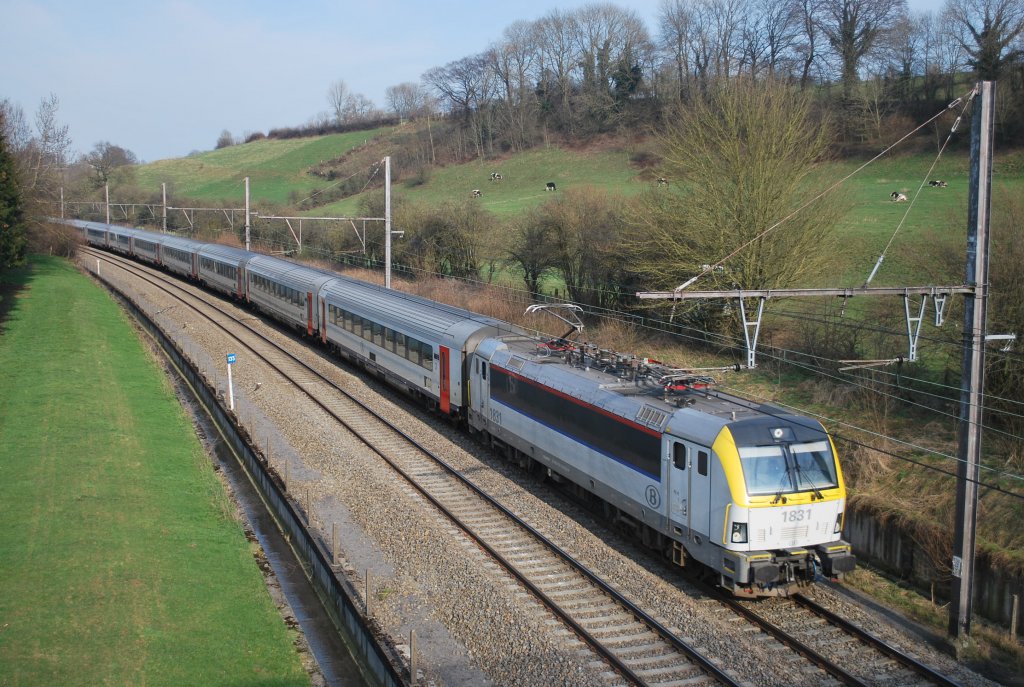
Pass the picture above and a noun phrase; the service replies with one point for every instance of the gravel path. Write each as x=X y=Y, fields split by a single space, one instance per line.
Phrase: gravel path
x=471 y=626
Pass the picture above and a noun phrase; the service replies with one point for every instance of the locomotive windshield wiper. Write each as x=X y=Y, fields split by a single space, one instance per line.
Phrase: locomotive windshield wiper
x=800 y=477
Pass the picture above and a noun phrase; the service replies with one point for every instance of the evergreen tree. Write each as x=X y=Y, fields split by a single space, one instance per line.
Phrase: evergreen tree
x=12 y=221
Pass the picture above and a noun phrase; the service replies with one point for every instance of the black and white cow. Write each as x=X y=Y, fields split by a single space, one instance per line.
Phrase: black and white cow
x=662 y=181
x=897 y=197
x=476 y=193
x=550 y=186
x=937 y=183
x=495 y=176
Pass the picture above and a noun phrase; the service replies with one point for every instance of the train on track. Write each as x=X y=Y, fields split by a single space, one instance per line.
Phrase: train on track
x=750 y=492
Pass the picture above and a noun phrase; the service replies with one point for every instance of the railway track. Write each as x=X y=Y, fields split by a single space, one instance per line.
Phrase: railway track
x=633 y=646
x=848 y=654
x=630 y=645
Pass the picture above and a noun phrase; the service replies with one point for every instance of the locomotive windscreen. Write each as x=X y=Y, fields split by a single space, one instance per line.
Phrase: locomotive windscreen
x=788 y=468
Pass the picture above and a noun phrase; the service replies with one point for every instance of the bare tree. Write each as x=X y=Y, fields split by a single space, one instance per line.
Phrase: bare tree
x=105 y=157
x=225 y=140
x=515 y=61
x=337 y=94
x=676 y=25
x=853 y=29
x=406 y=100
x=988 y=31
x=807 y=48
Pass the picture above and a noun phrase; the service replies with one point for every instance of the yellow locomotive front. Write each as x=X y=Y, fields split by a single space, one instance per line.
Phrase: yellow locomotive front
x=780 y=515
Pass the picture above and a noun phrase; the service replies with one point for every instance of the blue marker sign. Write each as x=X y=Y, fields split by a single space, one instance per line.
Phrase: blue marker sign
x=231 y=358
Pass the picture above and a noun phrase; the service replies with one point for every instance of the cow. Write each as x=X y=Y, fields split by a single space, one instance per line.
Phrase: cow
x=937 y=183
x=495 y=176
x=550 y=186
x=662 y=181
x=476 y=193
x=897 y=197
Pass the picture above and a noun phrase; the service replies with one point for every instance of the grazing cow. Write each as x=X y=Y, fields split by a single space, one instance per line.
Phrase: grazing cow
x=495 y=176
x=937 y=183
x=550 y=186
x=897 y=197
x=476 y=193
x=662 y=181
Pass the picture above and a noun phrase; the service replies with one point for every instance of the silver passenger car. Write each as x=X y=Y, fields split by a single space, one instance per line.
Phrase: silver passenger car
x=180 y=255
x=222 y=268
x=414 y=343
x=286 y=291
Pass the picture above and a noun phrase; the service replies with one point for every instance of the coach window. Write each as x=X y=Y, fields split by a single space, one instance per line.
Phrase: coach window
x=367 y=329
x=378 y=334
x=702 y=463
x=400 y=348
x=679 y=455
x=389 y=339
x=428 y=356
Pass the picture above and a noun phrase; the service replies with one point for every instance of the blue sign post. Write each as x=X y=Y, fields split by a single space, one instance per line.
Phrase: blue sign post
x=231 y=389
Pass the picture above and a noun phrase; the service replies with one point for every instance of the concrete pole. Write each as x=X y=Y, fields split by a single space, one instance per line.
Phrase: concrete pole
x=163 y=188
x=106 y=193
x=979 y=203
x=387 y=222
x=247 y=213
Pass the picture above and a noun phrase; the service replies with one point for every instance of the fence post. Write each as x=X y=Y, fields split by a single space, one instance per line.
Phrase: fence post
x=366 y=594
x=1013 y=618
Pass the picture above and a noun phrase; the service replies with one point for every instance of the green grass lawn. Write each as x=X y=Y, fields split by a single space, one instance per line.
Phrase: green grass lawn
x=121 y=558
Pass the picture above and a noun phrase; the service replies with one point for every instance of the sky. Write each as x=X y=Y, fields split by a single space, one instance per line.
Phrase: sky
x=163 y=78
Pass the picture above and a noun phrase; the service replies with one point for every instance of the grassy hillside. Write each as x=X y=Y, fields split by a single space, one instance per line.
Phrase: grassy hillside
x=280 y=168
x=275 y=167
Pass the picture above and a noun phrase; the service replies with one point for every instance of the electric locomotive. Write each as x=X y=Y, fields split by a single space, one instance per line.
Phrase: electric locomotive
x=750 y=492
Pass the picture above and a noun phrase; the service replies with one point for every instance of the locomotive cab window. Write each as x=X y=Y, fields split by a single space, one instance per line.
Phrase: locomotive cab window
x=679 y=456
x=702 y=463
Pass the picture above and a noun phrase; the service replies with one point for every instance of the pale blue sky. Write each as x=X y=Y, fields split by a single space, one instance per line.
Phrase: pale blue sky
x=165 y=77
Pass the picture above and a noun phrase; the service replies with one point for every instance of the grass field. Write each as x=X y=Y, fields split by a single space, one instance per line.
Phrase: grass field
x=121 y=558
x=275 y=168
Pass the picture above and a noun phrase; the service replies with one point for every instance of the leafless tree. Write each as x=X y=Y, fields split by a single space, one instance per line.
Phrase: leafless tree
x=466 y=87
x=558 y=61
x=105 y=157
x=675 y=36
x=337 y=94
x=808 y=45
x=225 y=140
x=406 y=99
x=853 y=29
x=515 y=61
x=989 y=32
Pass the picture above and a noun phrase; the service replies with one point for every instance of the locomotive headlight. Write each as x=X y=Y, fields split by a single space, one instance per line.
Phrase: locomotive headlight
x=839 y=524
x=739 y=533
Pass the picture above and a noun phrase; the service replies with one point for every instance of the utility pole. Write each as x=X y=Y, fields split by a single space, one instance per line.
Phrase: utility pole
x=106 y=193
x=387 y=222
x=979 y=204
x=247 y=213
x=163 y=188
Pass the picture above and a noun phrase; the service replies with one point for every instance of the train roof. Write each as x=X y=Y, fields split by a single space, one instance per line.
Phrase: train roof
x=231 y=253
x=413 y=313
x=310 y=278
x=695 y=411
